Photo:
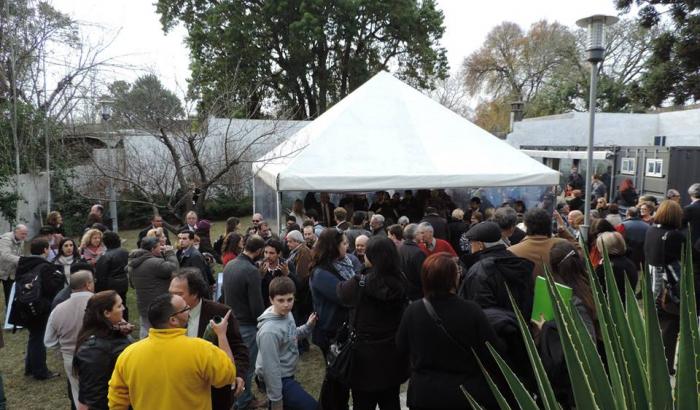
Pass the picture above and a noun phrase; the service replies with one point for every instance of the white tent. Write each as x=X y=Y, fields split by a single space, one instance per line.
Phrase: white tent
x=387 y=135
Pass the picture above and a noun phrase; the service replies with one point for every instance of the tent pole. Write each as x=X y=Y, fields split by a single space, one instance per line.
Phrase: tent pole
x=279 y=212
x=255 y=209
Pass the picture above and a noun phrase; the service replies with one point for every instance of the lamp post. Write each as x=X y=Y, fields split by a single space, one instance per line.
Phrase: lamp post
x=595 y=51
x=106 y=114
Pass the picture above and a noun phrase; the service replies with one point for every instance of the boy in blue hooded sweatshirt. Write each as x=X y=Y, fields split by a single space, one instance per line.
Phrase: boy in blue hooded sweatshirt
x=278 y=353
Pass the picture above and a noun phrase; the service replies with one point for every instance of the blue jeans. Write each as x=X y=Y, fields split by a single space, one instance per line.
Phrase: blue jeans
x=248 y=333
x=294 y=397
x=35 y=359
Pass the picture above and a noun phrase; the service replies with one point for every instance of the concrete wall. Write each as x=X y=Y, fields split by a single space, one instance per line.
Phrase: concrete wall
x=34 y=196
x=681 y=128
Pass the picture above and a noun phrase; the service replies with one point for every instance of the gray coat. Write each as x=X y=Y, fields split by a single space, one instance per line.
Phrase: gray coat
x=10 y=251
x=150 y=275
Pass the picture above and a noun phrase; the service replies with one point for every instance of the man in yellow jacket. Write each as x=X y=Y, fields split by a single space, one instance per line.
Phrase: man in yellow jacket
x=168 y=370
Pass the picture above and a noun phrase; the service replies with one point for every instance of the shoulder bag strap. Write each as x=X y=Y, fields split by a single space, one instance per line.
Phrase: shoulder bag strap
x=353 y=321
x=433 y=314
x=668 y=268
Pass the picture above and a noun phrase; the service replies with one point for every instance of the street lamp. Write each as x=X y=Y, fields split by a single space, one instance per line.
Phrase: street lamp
x=596 y=51
x=106 y=114
x=105 y=110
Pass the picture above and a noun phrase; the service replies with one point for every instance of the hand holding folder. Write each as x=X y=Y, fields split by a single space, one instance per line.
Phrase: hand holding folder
x=543 y=303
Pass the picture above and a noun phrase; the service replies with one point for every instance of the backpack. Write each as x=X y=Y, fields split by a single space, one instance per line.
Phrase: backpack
x=28 y=303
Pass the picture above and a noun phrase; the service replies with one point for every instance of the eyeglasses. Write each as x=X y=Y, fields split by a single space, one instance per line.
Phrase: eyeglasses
x=256 y=220
x=185 y=309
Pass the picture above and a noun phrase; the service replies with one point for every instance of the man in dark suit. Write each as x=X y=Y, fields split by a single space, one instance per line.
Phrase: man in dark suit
x=188 y=284
x=438 y=223
x=412 y=258
x=156 y=222
x=242 y=291
x=190 y=257
x=325 y=210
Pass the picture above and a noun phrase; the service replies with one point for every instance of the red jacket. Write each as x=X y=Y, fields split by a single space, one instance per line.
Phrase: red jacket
x=440 y=246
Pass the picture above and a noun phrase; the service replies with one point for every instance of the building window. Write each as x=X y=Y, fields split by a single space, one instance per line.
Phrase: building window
x=655 y=167
x=629 y=166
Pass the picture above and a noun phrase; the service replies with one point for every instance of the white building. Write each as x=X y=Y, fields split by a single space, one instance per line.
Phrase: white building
x=681 y=128
x=657 y=150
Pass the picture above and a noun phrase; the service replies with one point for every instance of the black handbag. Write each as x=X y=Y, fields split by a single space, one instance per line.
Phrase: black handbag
x=340 y=353
x=670 y=297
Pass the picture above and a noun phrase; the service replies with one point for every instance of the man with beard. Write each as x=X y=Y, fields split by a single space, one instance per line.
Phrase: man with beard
x=168 y=369
x=309 y=236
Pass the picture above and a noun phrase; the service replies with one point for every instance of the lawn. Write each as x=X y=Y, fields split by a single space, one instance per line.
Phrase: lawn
x=26 y=393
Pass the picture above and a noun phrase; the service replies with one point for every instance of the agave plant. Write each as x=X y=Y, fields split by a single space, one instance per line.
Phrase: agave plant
x=637 y=374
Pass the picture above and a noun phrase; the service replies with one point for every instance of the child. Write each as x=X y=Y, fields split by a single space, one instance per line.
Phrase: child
x=277 y=349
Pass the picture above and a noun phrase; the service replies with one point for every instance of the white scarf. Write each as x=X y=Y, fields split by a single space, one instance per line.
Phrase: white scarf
x=66 y=262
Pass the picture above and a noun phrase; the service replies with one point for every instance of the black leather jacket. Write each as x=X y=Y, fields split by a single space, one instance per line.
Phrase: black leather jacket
x=94 y=362
x=110 y=271
x=485 y=282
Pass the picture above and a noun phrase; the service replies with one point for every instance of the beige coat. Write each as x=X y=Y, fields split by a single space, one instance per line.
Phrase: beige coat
x=10 y=251
x=536 y=249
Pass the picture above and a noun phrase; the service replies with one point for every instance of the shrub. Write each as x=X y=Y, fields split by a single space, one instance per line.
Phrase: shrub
x=223 y=207
x=637 y=375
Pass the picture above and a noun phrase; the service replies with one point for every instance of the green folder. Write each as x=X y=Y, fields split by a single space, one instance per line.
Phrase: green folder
x=543 y=303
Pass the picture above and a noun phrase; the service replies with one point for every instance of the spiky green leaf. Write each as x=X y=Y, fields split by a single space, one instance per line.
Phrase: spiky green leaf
x=657 y=371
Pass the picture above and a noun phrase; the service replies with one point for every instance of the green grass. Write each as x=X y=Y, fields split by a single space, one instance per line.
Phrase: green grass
x=26 y=393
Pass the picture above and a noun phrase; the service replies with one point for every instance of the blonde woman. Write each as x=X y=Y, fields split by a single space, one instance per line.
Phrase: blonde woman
x=157 y=233
x=91 y=247
x=622 y=266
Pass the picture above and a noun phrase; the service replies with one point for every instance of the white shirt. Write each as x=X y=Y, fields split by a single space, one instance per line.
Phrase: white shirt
x=193 y=323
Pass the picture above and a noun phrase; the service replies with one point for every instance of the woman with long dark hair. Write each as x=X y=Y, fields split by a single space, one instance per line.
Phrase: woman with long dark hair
x=232 y=224
x=67 y=256
x=378 y=300
x=568 y=269
x=443 y=335
x=101 y=340
x=232 y=247
x=662 y=253
x=332 y=265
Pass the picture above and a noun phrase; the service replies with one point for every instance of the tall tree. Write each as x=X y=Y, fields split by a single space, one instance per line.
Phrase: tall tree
x=627 y=50
x=305 y=55
x=493 y=116
x=514 y=64
x=452 y=93
x=547 y=69
x=176 y=161
x=36 y=42
x=674 y=68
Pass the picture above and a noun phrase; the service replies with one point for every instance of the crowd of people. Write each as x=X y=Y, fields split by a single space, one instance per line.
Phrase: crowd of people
x=417 y=284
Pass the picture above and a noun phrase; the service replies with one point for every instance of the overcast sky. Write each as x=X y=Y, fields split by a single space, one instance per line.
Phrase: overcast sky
x=140 y=40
